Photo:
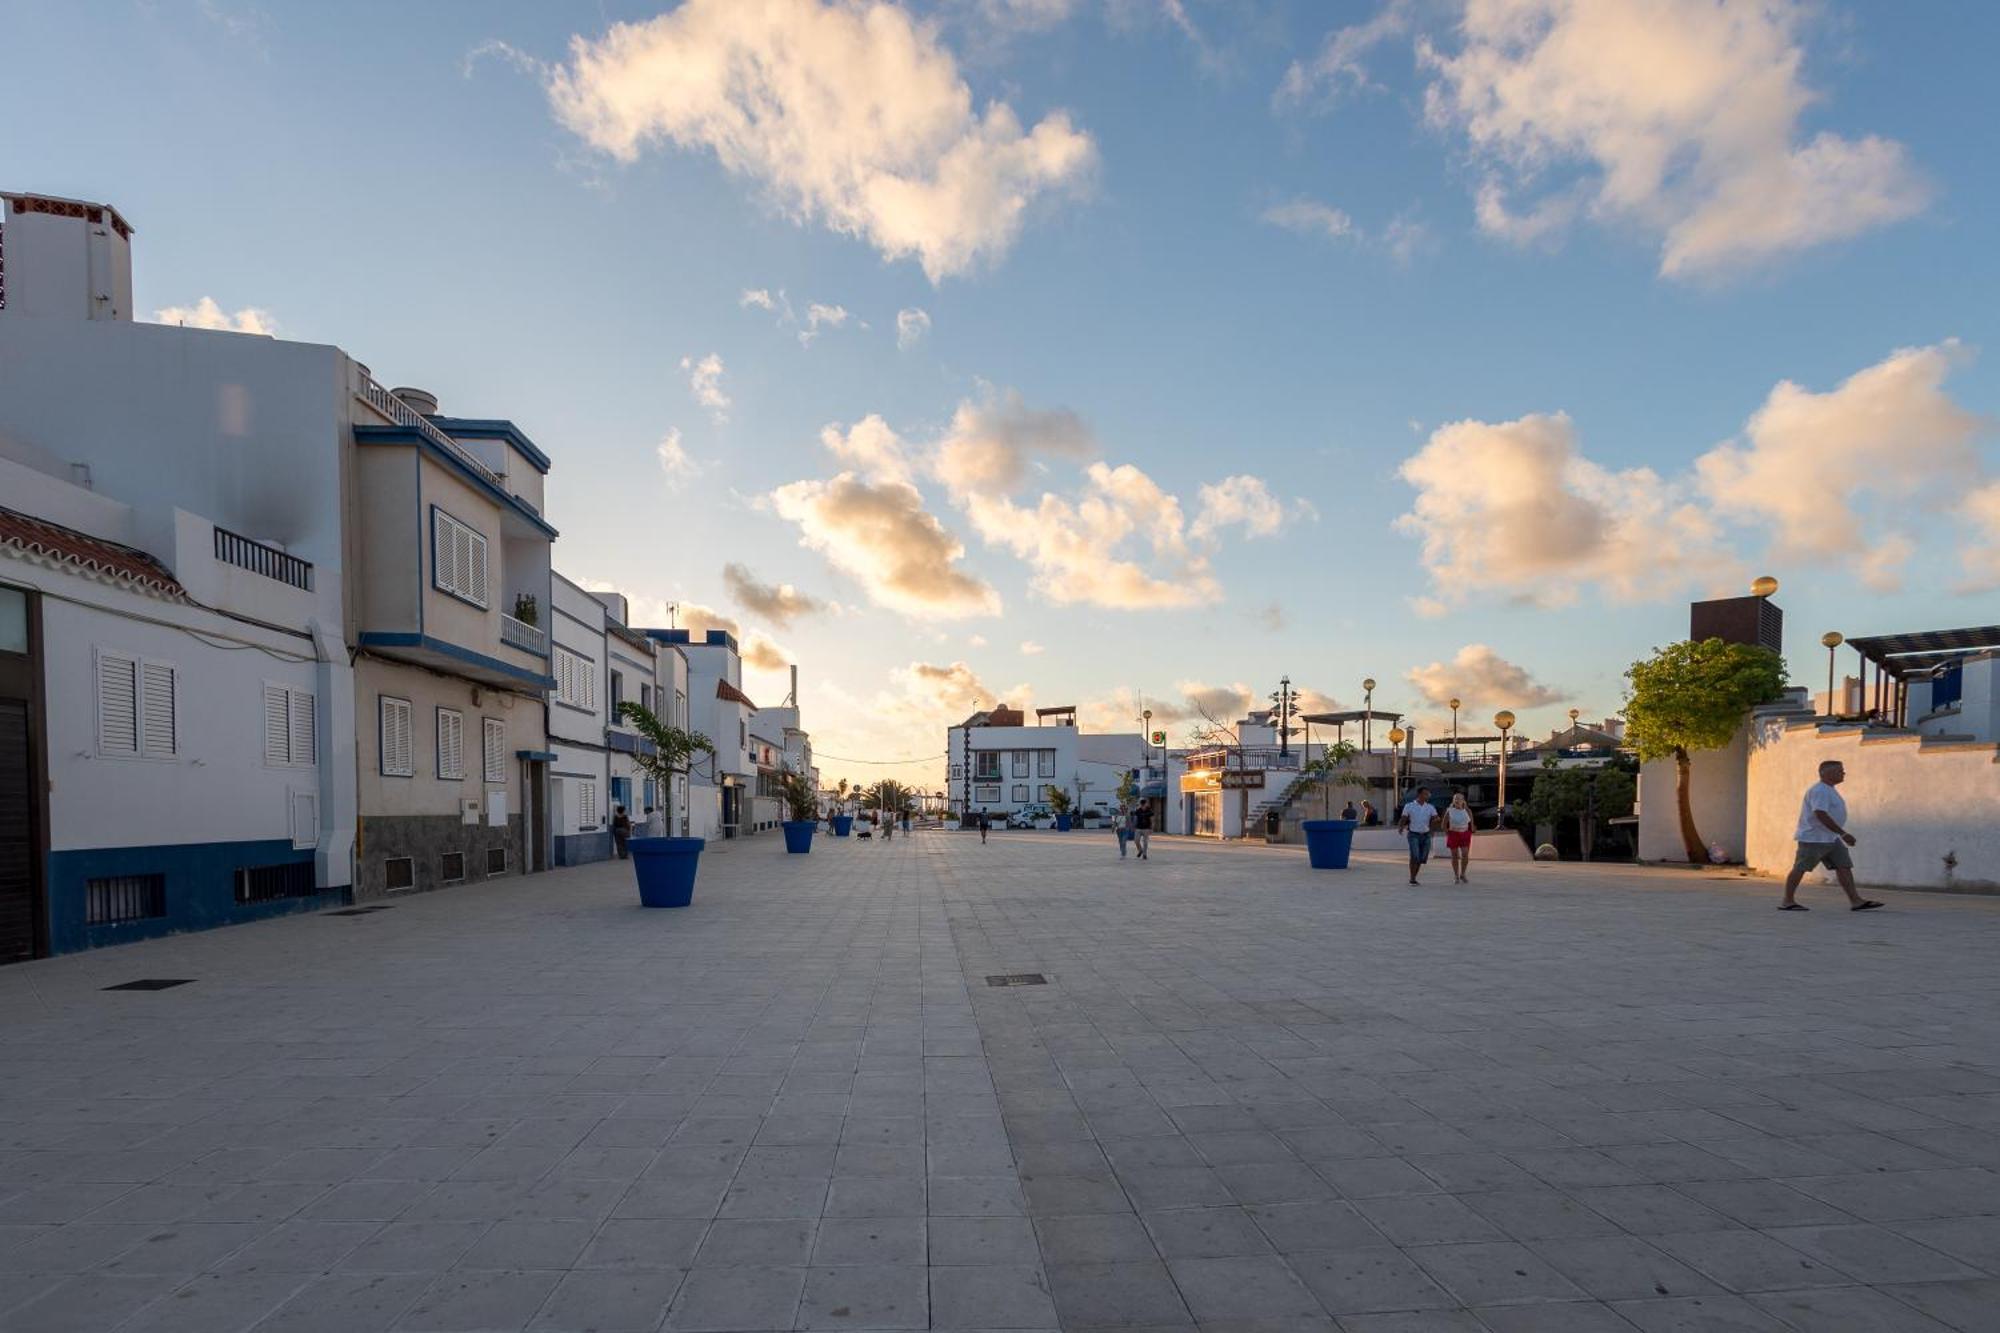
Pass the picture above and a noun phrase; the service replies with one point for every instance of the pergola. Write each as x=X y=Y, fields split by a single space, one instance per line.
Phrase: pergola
x=1899 y=658
x=1339 y=721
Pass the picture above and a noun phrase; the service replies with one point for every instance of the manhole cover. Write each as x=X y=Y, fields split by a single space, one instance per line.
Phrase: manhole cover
x=153 y=983
x=1018 y=979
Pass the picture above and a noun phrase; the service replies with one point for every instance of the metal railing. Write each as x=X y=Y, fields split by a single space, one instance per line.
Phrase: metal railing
x=235 y=549
x=520 y=634
x=400 y=412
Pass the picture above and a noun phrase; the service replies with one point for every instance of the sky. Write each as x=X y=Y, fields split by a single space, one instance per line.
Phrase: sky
x=1122 y=353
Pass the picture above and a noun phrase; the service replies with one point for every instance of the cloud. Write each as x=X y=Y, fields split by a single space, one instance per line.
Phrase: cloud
x=206 y=314
x=1024 y=16
x=1514 y=507
x=1811 y=467
x=820 y=317
x=759 y=297
x=1271 y=616
x=990 y=444
x=976 y=641
x=1309 y=217
x=705 y=383
x=674 y=460
x=880 y=534
x=1029 y=648
x=1246 y=502
x=870 y=445
x=1407 y=237
x=779 y=603
x=913 y=325
x=1480 y=678
x=853 y=116
x=700 y=619
x=1340 y=66
x=761 y=654
x=1679 y=116
x=1980 y=555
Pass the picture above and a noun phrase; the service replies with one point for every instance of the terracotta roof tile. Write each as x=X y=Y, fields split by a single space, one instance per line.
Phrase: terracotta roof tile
x=93 y=555
x=724 y=690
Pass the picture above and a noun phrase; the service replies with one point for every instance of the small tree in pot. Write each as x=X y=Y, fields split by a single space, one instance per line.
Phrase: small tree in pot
x=802 y=804
x=1059 y=804
x=665 y=867
x=1329 y=840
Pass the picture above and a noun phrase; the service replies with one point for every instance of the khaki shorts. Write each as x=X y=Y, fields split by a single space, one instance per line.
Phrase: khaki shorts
x=1832 y=855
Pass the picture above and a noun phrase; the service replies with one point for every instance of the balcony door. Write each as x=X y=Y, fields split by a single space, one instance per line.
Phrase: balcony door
x=20 y=826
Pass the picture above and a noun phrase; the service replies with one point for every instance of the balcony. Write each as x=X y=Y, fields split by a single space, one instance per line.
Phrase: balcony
x=520 y=634
x=234 y=549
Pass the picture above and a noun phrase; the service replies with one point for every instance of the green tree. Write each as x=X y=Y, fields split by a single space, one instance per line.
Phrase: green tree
x=673 y=750
x=1580 y=794
x=1692 y=696
x=1059 y=799
x=1334 y=768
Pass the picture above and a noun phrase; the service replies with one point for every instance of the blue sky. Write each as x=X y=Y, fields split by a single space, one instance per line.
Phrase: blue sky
x=401 y=181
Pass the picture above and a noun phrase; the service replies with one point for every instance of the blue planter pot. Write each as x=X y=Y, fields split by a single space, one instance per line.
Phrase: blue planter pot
x=1328 y=842
x=665 y=868
x=843 y=825
x=799 y=834
x=1062 y=823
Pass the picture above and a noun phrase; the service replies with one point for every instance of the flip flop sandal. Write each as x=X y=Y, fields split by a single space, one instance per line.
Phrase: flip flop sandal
x=1864 y=906
x=1795 y=907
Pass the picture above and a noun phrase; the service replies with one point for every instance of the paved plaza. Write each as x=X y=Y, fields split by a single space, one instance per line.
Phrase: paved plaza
x=1249 y=1097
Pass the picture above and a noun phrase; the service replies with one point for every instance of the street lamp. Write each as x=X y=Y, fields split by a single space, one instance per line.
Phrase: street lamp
x=1367 y=707
x=1831 y=640
x=1395 y=758
x=1504 y=720
x=1454 y=730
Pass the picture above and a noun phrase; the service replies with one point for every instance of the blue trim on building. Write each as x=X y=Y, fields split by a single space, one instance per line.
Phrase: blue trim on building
x=626 y=743
x=720 y=637
x=403 y=639
x=576 y=849
x=410 y=435
x=495 y=428
x=200 y=880
x=539 y=756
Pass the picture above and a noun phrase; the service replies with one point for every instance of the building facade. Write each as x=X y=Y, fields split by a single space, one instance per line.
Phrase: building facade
x=998 y=764
x=580 y=793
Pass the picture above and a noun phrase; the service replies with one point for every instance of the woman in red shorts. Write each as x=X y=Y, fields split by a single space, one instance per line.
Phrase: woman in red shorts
x=1458 y=836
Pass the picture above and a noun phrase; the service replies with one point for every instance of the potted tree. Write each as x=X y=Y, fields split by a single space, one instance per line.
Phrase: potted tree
x=843 y=818
x=802 y=803
x=1059 y=805
x=664 y=866
x=1329 y=840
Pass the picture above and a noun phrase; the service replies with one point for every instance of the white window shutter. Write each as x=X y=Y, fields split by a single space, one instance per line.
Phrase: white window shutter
x=450 y=744
x=277 y=725
x=158 y=737
x=406 y=738
x=443 y=550
x=117 y=705
x=475 y=581
x=302 y=728
x=397 y=754
x=495 y=750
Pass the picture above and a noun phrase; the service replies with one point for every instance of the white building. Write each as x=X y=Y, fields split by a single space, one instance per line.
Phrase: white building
x=720 y=786
x=999 y=764
x=580 y=795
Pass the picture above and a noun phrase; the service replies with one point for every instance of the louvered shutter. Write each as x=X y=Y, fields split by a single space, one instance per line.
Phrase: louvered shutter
x=157 y=733
x=444 y=554
x=450 y=744
x=495 y=750
x=277 y=725
x=302 y=728
x=475 y=566
x=397 y=756
x=406 y=740
x=117 y=705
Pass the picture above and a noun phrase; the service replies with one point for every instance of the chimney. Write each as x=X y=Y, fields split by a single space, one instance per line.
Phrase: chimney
x=794 y=699
x=63 y=258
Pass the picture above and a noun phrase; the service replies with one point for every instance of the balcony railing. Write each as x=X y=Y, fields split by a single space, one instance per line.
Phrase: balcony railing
x=233 y=549
x=400 y=412
x=520 y=634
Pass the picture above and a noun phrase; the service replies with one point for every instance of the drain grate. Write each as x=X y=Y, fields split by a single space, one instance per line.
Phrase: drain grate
x=153 y=983
x=1018 y=979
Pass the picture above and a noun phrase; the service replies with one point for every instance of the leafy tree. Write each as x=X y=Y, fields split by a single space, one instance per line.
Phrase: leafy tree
x=1691 y=696
x=800 y=796
x=673 y=750
x=1580 y=794
x=889 y=796
x=1334 y=768
x=1128 y=791
x=1059 y=800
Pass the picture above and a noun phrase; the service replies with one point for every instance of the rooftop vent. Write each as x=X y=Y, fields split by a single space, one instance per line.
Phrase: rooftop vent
x=421 y=401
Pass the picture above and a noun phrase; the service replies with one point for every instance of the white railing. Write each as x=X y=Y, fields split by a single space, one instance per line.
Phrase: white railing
x=400 y=412
x=520 y=634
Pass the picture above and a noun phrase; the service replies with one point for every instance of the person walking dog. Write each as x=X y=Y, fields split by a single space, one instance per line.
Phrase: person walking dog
x=1417 y=820
x=1823 y=839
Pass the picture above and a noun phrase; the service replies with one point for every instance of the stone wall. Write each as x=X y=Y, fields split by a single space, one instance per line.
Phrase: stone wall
x=425 y=839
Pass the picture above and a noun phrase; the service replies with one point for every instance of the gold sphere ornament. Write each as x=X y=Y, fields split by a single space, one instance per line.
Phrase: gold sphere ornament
x=1833 y=638
x=1763 y=586
x=1503 y=719
x=1368 y=684
x=1395 y=735
x=1454 y=705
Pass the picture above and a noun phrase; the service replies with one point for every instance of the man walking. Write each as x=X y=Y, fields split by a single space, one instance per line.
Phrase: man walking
x=621 y=830
x=1417 y=820
x=1823 y=840
x=1142 y=828
x=985 y=823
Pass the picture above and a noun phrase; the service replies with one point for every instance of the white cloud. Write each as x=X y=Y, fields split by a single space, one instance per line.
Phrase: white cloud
x=991 y=444
x=206 y=314
x=870 y=445
x=913 y=325
x=1309 y=217
x=779 y=603
x=1029 y=648
x=1026 y=15
x=705 y=383
x=1246 y=502
x=1480 y=678
x=1980 y=555
x=1679 y=116
x=674 y=460
x=759 y=297
x=1340 y=64
x=854 y=116
x=821 y=317
x=976 y=641
x=880 y=534
x=1813 y=468
x=1514 y=507
x=1407 y=237
x=762 y=654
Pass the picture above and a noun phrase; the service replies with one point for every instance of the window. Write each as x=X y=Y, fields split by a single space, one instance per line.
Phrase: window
x=742 y=734
x=451 y=868
x=576 y=679
x=125 y=898
x=617 y=691
x=956 y=769
x=458 y=558
x=263 y=884
x=652 y=790
x=136 y=708
x=495 y=738
x=1045 y=763
x=645 y=696
x=679 y=719
x=398 y=744
x=399 y=873
x=496 y=860
x=1020 y=793
x=289 y=727
x=586 y=805
x=991 y=793
x=986 y=766
x=450 y=744
x=1020 y=763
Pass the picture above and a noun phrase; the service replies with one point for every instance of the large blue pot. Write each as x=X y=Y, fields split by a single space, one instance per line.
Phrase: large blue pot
x=843 y=825
x=1328 y=842
x=1062 y=823
x=799 y=834
x=665 y=868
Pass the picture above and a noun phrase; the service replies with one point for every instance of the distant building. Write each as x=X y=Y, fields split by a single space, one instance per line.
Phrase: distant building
x=999 y=764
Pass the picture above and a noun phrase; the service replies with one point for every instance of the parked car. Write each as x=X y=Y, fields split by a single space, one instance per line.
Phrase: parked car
x=1028 y=816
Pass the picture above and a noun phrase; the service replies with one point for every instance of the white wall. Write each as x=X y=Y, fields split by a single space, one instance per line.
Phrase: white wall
x=1924 y=814
x=425 y=793
x=576 y=622
x=1716 y=792
x=573 y=765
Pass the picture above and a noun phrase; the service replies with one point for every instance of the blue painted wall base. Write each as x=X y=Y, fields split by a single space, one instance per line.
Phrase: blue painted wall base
x=200 y=883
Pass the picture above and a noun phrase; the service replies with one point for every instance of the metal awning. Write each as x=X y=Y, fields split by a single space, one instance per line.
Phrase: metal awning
x=1341 y=719
x=1905 y=655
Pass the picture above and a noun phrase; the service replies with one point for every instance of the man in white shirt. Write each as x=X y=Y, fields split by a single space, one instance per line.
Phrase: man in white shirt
x=1823 y=839
x=1419 y=817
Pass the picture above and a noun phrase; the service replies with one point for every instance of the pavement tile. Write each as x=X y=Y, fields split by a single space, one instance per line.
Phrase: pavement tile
x=1362 y=1281
x=873 y=1296
x=720 y=1300
x=1115 y=1294
x=990 y=1296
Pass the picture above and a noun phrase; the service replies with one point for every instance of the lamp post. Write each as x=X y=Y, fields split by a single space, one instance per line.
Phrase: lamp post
x=1367 y=707
x=1572 y=725
x=1831 y=640
x=1395 y=761
x=1283 y=698
x=1504 y=720
x=1454 y=730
